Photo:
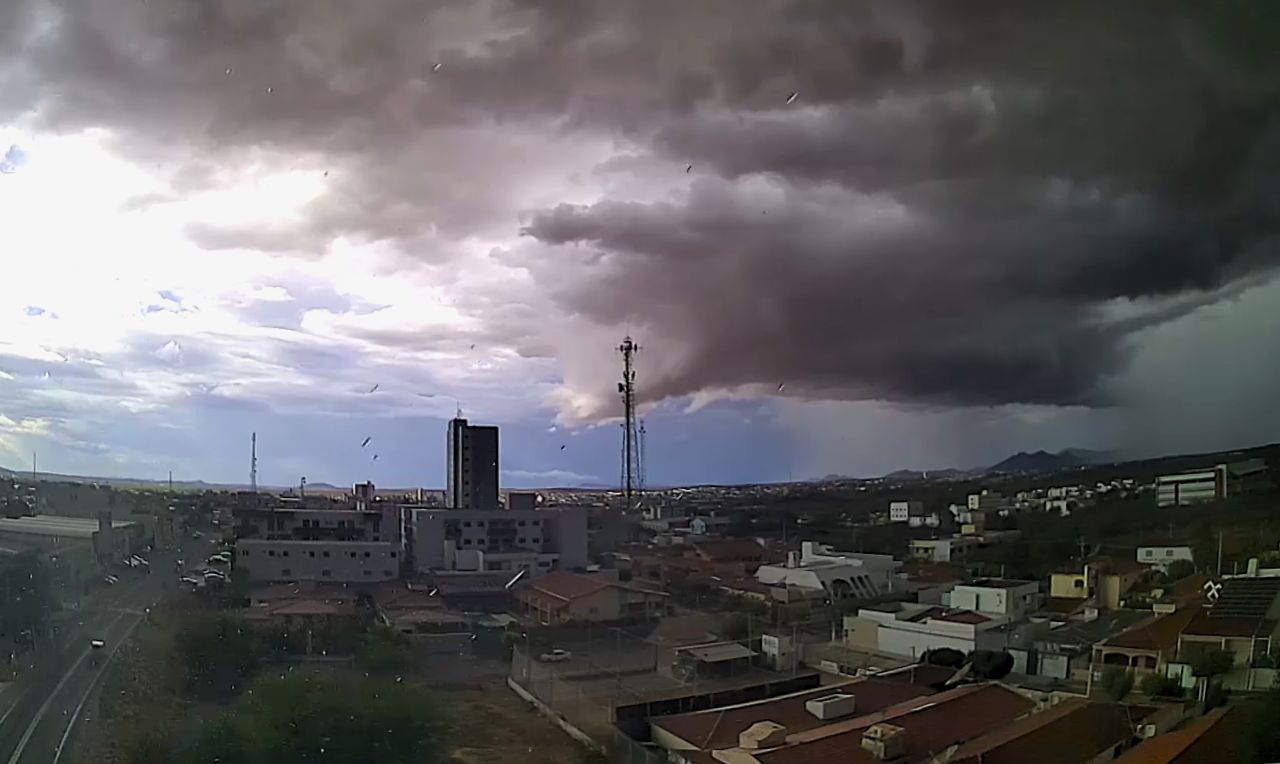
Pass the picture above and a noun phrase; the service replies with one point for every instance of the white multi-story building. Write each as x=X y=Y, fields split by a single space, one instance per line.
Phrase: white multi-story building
x=1191 y=487
x=914 y=514
x=910 y=630
x=986 y=500
x=1160 y=557
x=295 y=543
x=539 y=540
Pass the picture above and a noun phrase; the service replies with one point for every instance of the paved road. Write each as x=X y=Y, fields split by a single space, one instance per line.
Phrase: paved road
x=39 y=713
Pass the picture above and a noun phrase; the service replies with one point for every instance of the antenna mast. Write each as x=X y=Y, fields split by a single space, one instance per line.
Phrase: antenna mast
x=630 y=449
x=253 y=463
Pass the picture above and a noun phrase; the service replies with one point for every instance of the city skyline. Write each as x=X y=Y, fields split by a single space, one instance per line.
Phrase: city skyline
x=849 y=241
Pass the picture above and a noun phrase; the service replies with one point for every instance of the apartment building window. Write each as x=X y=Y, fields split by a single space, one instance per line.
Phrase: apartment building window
x=313 y=554
x=521 y=523
x=286 y=572
x=353 y=555
x=244 y=552
x=366 y=554
x=466 y=542
x=326 y=573
x=326 y=554
x=466 y=524
x=284 y=553
x=368 y=572
x=271 y=553
x=393 y=555
x=520 y=540
x=386 y=573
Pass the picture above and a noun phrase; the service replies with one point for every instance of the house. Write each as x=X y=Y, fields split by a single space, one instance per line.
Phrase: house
x=1072 y=731
x=987 y=500
x=1147 y=645
x=1218 y=737
x=951 y=549
x=914 y=730
x=721 y=728
x=1103 y=581
x=1244 y=622
x=998 y=596
x=563 y=597
x=819 y=569
x=909 y=629
x=707 y=525
x=913 y=513
x=1160 y=557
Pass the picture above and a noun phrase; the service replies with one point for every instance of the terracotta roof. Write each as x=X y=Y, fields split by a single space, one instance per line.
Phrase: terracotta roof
x=1159 y=633
x=567 y=586
x=934 y=573
x=1073 y=731
x=1064 y=605
x=964 y=616
x=1205 y=624
x=1215 y=738
x=931 y=724
x=920 y=675
x=719 y=728
x=730 y=549
x=999 y=583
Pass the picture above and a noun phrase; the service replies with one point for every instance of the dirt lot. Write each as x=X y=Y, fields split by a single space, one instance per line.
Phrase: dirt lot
x=496 y=725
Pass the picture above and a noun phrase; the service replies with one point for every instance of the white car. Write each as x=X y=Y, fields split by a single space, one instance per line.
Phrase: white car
x=111 y=580
x=214 y=575
x=556 y=656
x=189 y=580
x=140 y=561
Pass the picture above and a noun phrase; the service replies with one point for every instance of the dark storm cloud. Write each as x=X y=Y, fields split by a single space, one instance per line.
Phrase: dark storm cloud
x=949 y=210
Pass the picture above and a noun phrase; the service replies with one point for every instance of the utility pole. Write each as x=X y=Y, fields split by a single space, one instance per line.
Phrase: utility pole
x=170 y=481
x=630 y=451
x=1219 y=553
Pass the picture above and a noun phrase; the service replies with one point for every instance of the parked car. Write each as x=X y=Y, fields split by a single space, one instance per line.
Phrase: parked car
x=110 y=580
x=189 y=580
x=556 y=656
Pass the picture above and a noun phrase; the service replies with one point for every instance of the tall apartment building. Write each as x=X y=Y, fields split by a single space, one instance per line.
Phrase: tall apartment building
x=297 y=543
x=472 y=481
x=539 y=540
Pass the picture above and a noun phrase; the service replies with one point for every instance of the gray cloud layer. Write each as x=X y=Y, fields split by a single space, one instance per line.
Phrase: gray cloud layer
x=972 y=203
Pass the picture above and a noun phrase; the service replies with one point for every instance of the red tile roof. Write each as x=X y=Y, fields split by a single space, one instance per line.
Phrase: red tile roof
x=729 y=550
x=719 y=728
x=931 y=724
x=1204 y=624
x=920 y=675
x=964 y=616
x=1215 y=738
x=1073 y=731
x=1158 y=634
x=567 y=586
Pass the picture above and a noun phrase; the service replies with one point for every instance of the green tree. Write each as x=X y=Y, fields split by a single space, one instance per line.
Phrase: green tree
x=1211 y=662
x=1116 y=682
x=218 y=655
x=1180 y=569
x=1158 y=686
x=385 y=651
x=733 y=626
x=1264 y=728
x=26 y=598
x=305 y=721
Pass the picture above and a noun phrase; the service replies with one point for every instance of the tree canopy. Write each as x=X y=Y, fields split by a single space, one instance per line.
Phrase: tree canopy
x=301 y=720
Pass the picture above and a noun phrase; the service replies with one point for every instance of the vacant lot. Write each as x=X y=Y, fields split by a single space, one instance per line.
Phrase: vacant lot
x=493 y=724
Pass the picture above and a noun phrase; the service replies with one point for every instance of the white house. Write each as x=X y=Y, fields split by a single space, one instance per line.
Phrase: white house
x=702 y=526
x=910 y=630
x=997 y=596
x=839 y=574
x=1159 y=557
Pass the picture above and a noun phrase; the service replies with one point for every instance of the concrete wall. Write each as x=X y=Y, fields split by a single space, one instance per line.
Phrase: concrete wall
x=560 y=531
x=348 y=561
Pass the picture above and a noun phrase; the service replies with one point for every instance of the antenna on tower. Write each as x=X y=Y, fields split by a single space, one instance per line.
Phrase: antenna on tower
x=630 y=449
x=253 y=463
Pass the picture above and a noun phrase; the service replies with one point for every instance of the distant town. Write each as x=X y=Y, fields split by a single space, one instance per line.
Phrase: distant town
x=1101 y=605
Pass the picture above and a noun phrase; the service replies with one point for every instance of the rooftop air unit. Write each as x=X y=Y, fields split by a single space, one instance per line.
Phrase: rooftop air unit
x=831 y=706
x=762 y=735
x=884 y=741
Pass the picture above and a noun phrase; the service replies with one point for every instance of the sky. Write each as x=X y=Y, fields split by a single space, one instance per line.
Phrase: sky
x=849 y=237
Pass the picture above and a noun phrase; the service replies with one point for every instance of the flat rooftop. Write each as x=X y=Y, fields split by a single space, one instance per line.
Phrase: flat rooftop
x=56 y=525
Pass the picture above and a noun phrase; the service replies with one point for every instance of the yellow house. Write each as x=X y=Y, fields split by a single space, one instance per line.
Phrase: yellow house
x=1105 y=581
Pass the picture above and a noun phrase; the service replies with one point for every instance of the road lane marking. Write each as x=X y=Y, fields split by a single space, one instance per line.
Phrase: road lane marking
x=44 y=707
x=57 y=754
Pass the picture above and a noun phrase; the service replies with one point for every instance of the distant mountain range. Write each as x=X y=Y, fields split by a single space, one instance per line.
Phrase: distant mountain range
x=1021 y=462
x=1043 y=461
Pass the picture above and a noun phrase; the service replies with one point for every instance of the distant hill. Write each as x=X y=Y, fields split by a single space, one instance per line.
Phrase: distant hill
x=941 y=474
x=128 y=482
x=1043 y=461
